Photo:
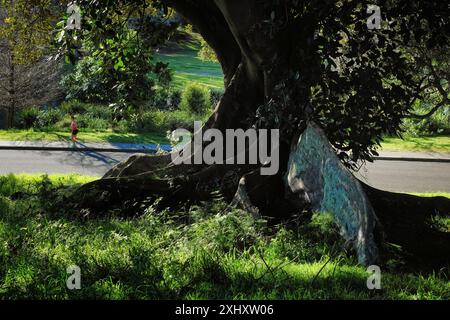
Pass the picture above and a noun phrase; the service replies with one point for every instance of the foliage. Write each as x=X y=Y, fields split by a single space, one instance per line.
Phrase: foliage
x=27 y=28
x=163 y=121
x=97 y=81
x=436 y=124
x=49 y=117
x=87 y=121
x=196 y=98
x=206 y=52
x=29 y=75
x=357 y=83
x=87 y=83
x=73 y=107
x=28 y=117
x=208 y=252
x=166 y=99
x=124 y=73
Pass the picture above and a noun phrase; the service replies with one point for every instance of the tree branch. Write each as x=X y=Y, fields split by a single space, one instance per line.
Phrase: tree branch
x=430 y=113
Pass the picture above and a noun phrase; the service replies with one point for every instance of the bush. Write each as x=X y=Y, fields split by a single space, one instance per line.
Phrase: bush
x=196 y=99
x=49 y=117
x=122 y=126
x=100 y=112
x=161 y=121
x=88 y=122
x=28 y=117
x=73 y=107
x=166 y=100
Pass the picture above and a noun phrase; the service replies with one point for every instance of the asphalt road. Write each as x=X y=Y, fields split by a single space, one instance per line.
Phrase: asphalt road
x=388 y=175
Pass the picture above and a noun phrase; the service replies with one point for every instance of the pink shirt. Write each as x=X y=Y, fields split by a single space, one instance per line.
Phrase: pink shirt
x=74 y=125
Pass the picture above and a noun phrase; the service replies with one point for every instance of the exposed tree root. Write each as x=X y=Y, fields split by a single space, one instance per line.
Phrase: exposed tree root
x=406 y=221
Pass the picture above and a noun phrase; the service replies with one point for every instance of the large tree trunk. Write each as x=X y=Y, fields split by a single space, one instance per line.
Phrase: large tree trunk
x=253 y=64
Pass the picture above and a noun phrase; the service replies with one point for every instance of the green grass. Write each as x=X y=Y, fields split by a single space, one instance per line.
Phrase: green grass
x=183 y=59
x=30 y=183
x=432 y=194
x=161 y=256
x=424 y=144
x=90 y=136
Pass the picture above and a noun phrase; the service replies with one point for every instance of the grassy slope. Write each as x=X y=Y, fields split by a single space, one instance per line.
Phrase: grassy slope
x=106 y=136
x=154 y=257
x=183 y=59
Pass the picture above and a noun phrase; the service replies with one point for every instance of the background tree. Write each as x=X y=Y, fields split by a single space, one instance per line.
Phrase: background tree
x=28 y=75
x=30 y=84
x=287 y=63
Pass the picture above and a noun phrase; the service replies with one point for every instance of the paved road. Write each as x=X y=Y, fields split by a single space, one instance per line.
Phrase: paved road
x=407 y=176
x=86 y=163
x=389 y=175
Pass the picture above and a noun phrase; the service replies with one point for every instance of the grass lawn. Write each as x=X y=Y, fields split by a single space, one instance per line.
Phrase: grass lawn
x=158 y=256
x=105 y=136
x=432 y=194
x=427 y=144
x=182 y=58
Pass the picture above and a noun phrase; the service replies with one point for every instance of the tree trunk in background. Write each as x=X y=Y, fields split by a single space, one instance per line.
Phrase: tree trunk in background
x=12 y=95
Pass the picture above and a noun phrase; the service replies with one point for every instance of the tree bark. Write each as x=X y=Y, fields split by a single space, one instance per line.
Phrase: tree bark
x=12 y=95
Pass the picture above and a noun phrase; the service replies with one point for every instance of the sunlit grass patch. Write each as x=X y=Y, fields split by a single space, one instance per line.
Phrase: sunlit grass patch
x=424 y=144
x=209 y=252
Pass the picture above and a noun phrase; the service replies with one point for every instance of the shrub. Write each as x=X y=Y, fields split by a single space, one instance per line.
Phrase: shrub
x=73 y=107
x=99 y=111
x=160 y=121
x=28 y=117
x=49 y=117
x=88 y=122
x=166 y=100
x=196 y=99
x=122 y=126
x=180 y=119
